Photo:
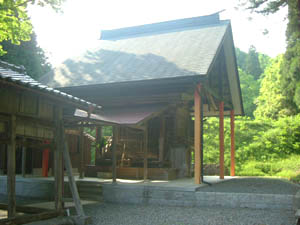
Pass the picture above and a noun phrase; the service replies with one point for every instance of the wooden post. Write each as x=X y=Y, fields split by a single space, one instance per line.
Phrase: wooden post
x=98 y=153
x=221 y=138
x=146 y=152
x=72 y=183
x=197 y=135
x=11 y=169
x=81 y=150
x=114 y=154
x=232 y=144
x=162 y=133
x=58 y=159
x=45 y=162
x=24 y=152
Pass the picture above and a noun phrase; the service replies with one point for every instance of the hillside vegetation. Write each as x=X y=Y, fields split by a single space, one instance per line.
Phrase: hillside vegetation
x=268 y=137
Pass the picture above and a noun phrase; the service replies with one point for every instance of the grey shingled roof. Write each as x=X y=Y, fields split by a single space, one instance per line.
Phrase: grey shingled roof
x=16 y=75
x=170 y=49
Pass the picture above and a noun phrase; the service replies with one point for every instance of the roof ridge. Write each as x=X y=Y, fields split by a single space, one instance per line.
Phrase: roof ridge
x=160 y=26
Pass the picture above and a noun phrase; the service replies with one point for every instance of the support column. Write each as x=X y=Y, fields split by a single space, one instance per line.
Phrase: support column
x=221 y=138
x=11 y=170
x=81 y=150
x=98 y=153
x=24 y=152
x=146 y=152
x=58 y=160
x=162 y=132
x=114 y=154
x=232 y=144
x=197 y=135
x=45 y=161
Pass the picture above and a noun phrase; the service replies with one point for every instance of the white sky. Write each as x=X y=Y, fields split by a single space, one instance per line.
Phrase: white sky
x=78 y=28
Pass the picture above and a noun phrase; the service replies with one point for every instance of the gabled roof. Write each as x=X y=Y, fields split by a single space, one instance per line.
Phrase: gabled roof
x=11 y=74
x=173 y=49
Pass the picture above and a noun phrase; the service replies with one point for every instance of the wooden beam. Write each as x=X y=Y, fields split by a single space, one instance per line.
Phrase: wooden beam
x=232 y=144
x=162 y=133
x=197 y=135
x=114 y=154
x=81 y=150
x=146 y=152
x=25 y=209
x=221 y=138
x=24 y=219
x=24 y=151
x=11 y=169
x=72 y=184
x=58 y=159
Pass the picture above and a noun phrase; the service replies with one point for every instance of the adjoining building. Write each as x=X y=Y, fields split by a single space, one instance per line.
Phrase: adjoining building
x=157 y=82
x=34 y=116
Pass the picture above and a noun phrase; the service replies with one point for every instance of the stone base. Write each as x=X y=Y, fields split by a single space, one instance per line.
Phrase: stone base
x=172 y=196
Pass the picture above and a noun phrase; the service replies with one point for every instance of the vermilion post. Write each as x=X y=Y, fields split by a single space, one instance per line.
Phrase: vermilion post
x=221 y=138
x=197 y=135
x=45 y=162
x=232 y=147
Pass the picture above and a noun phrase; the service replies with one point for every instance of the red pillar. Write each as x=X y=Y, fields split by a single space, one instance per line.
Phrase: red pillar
x=232 y=147
x=221 y=138
x=45 y=162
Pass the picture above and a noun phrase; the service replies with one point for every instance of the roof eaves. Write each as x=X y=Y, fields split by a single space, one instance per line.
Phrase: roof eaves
x=7 y=74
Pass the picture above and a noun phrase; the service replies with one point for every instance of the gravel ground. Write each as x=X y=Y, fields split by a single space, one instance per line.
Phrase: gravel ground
x=20 y=200
x=254 y=185
x=108 y=214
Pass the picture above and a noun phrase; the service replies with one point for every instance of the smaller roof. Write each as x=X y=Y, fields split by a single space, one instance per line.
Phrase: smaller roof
x=17 y=76
x=130 y=115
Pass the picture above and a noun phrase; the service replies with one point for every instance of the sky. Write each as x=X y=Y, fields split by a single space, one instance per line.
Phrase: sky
x=67 y=34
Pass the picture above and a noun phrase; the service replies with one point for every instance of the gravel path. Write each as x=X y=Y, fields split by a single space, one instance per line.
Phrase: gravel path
x=20 y=200
x=109 y=214
x=254 y=185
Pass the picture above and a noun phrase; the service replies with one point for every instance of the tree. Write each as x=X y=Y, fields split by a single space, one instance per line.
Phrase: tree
x=27 y=54
x=250 y=91
x=290 y=67
x=241 y=58
x=270 y=103
x=252 y=63
x=15 y=25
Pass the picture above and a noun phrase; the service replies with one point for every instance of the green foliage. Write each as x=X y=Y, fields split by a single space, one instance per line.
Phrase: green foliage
x=270 y=103
x=250 y=91
x=287 y=168
x=257 y=141
x=241 y=59
x=264 y=6
x=290 y=68
x=252 y=63
x=250 y=66
x=27 y=54
x=15 y=25
x=291 y=65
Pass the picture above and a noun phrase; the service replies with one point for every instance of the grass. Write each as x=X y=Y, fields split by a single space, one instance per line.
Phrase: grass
x=288 y=168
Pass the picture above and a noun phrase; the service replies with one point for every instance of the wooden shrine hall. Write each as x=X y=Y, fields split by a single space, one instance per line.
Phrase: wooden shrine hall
x=161 y=79
x=34 y=115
